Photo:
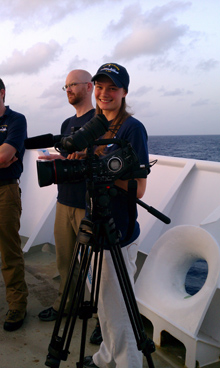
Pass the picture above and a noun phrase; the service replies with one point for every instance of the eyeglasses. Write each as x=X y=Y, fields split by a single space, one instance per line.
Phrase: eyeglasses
x=64 y=88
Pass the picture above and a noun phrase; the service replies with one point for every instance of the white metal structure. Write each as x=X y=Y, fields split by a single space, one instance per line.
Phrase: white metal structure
x=162 y=297
x=38 y=205
x=187 y=191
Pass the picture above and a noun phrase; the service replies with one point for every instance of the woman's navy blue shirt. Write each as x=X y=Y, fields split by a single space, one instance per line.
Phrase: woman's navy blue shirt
x=134 y=132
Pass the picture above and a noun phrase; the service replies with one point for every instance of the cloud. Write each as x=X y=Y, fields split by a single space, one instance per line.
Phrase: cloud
x=140 y=109
x=129 y=14
x=208 y=65
x=25 y=12
x=200 y=102
x=75 y=62
x=31 y=61
x=152 y=33
x=175 y=92
x=53 y=104
x=54 y=90
x=140 y=91
x=53 y=96
x=41 y=12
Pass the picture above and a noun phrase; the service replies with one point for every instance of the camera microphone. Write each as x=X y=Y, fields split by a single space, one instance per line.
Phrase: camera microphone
x=78 y=141
x=42 y=141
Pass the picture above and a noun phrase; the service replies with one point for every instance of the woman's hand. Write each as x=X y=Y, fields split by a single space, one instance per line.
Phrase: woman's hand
x=76 y=155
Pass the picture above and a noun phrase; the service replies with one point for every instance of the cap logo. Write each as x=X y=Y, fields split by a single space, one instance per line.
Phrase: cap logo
x=108 y=68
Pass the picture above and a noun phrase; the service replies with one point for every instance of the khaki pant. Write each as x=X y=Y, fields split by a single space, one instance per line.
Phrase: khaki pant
x=10 y=246
x=66 y=227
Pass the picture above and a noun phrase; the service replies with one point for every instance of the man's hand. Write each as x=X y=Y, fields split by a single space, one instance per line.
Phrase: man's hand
x=52 y=157
x=71 y=156
x=7 y=164
x=7 y=155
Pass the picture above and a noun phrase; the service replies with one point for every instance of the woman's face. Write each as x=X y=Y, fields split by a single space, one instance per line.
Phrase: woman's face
x=108 y=96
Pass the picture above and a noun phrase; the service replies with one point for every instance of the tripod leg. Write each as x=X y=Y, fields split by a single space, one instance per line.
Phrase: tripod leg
x=59 y=346
x=57 y=350
x=68 y=284
x=83 y=343
x=143 y=343
x=90 y=307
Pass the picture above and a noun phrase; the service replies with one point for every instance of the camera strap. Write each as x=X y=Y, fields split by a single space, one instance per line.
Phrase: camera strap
x=132 y=195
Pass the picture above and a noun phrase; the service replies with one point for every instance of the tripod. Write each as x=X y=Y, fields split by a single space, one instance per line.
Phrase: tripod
x=95 y=230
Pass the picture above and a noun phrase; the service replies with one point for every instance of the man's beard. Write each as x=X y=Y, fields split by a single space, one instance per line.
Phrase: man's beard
x=75 y=99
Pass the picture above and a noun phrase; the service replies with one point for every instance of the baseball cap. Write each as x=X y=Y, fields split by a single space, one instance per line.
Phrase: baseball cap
x=116 y=72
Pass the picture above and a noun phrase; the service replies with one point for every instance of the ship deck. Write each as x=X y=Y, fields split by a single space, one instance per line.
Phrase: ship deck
x=28 y=346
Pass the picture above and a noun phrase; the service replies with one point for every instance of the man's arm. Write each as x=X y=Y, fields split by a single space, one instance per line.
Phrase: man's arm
x=7 y=155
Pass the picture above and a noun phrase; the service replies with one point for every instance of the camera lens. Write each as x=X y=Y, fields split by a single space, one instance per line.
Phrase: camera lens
x=115 y=164
x=60 y=171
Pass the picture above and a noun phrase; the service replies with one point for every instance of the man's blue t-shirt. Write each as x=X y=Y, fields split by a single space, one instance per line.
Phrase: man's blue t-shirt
x=13 y=130
x=73 y=194
x=134 y=132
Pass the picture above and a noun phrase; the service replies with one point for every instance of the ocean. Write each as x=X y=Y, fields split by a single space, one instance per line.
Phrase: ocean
x=199 y=147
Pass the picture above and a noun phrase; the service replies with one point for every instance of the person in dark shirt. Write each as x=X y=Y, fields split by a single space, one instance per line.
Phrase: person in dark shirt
x=70 y=207
x=13 y=132
x=119 y=346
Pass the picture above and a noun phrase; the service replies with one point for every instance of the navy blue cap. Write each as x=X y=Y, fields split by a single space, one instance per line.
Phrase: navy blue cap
x=116 y=72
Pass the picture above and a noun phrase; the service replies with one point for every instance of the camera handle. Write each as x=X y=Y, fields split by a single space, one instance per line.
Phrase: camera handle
x=93 y=233
x=153 y=211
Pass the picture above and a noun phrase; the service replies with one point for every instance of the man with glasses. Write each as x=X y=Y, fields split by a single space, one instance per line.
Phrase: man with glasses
x=13 y=132
x=71 y=196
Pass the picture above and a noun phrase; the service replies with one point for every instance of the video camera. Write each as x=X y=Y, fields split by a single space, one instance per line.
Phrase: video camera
x=120 y=164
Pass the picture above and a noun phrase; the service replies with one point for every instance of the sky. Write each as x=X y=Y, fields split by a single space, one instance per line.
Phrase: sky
x=171 y=50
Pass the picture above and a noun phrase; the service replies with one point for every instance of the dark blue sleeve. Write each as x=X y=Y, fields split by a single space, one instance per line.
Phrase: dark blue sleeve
x=17 y=131
x=136 y=134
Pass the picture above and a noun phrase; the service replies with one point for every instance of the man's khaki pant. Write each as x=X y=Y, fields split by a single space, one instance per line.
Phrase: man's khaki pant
x=66 y=227
x=10 y=247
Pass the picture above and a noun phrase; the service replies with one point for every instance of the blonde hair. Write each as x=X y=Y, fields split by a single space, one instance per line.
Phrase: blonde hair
x=114 y=126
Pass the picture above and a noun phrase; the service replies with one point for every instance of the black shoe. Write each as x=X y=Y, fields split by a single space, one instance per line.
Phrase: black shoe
x=88 y=362
x=48 y=314
x=14 y=320
x=96 y=337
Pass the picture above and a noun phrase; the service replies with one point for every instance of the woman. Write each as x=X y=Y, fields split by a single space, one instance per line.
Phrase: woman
x=119 y=348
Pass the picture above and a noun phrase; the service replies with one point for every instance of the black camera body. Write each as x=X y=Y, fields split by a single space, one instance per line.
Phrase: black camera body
x=122 y=163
